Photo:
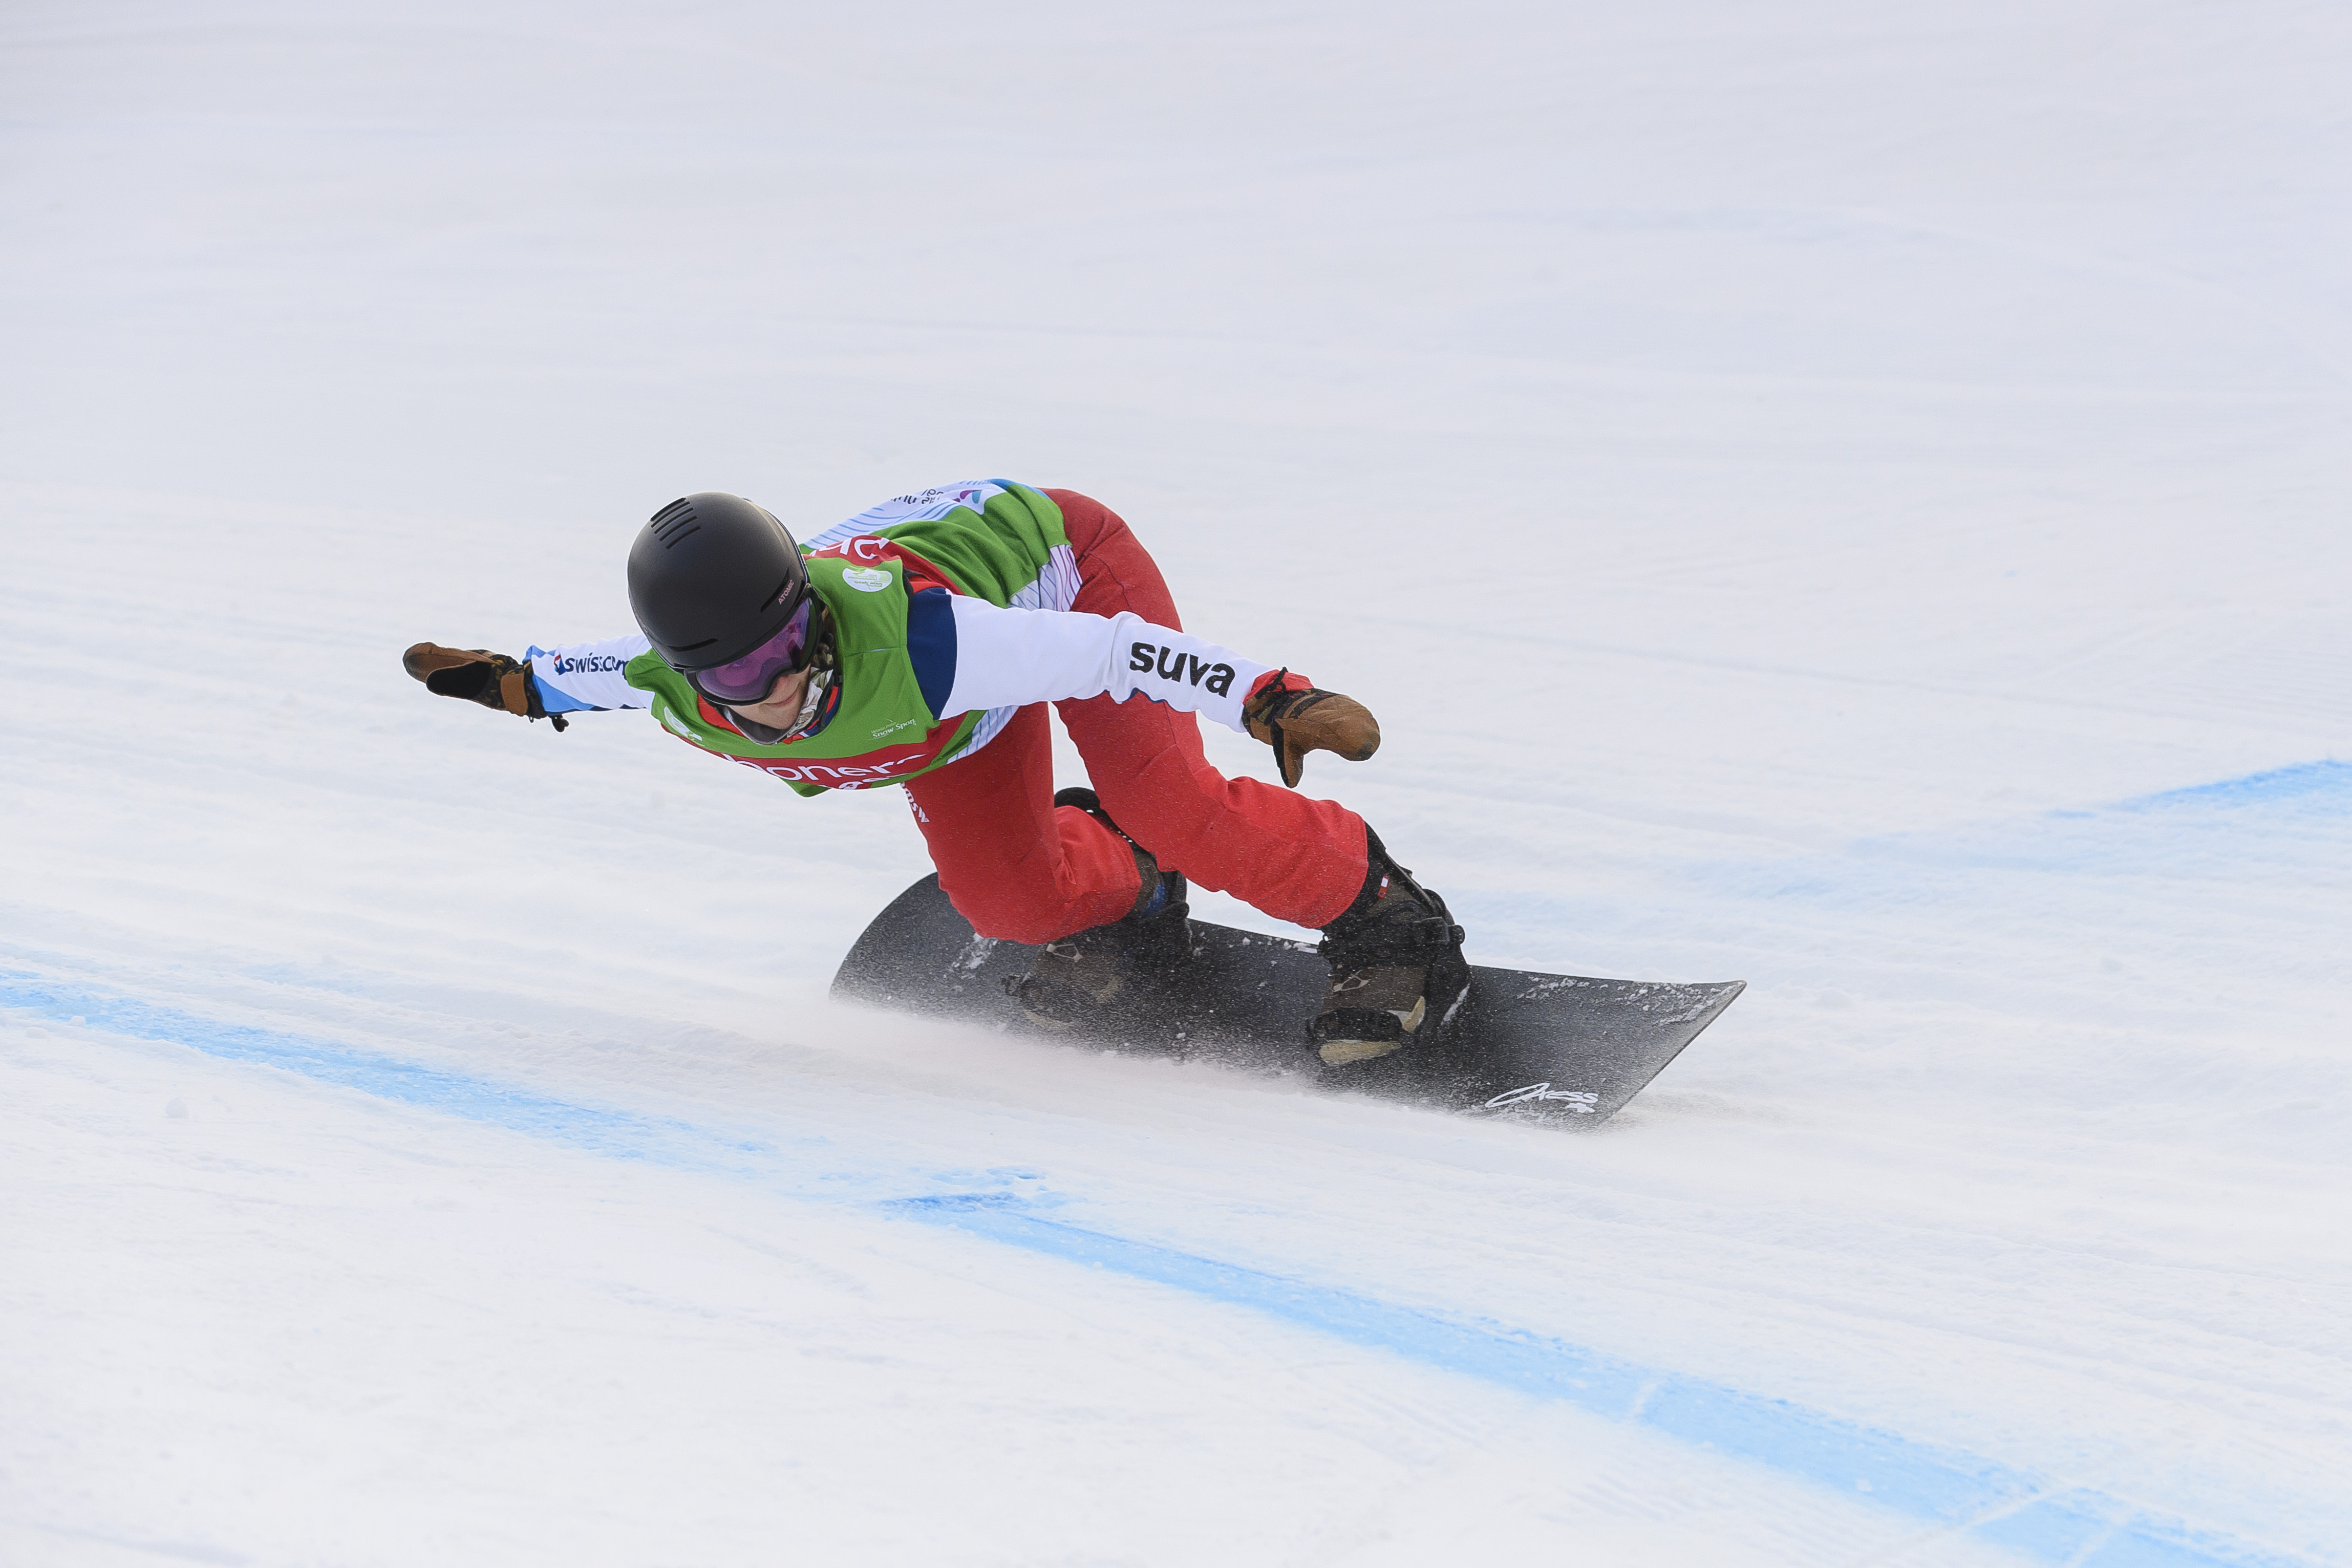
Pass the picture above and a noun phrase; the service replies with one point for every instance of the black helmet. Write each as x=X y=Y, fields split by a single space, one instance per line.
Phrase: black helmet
x=711 y=578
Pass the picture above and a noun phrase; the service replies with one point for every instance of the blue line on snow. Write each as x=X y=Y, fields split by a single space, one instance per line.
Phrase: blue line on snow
x=618 y=1135
x=2003 y=1506
x=2302 y=781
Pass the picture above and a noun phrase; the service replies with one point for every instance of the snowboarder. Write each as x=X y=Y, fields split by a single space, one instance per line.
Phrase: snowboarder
x=917 y=644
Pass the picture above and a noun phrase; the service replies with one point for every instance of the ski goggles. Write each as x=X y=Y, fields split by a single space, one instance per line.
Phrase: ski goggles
x=745 y=682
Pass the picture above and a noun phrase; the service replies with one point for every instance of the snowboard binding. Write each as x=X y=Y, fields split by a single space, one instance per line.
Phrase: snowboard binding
x=1398 y=975
x=1074 y=982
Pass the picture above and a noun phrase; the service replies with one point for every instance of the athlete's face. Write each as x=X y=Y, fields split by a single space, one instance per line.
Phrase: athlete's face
x=784 y=703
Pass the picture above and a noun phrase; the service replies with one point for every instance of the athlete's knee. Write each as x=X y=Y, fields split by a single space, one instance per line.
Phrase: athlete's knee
x=1161 y=809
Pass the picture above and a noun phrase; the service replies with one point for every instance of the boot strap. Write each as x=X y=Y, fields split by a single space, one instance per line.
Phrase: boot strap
x=1422 y=938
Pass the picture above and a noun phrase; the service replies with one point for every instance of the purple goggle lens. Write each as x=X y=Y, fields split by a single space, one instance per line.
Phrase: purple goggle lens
x=745 y=682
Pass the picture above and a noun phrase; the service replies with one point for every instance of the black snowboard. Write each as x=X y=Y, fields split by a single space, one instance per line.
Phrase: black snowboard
x=1553 y=1047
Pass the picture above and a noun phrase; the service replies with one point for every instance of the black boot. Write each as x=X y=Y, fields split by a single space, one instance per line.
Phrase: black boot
x=1075 y=979
x=1397 y=977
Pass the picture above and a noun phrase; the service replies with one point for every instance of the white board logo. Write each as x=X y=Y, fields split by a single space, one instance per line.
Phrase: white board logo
x=1576 y=1100
x=865 y=580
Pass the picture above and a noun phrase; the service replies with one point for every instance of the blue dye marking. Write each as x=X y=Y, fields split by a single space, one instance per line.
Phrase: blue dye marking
x=2004 y=1507
x=2327 y=782
x=2291 y=826
x=618 y=1135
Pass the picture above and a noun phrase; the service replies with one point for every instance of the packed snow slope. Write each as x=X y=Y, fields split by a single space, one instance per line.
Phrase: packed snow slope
x=1848 y=497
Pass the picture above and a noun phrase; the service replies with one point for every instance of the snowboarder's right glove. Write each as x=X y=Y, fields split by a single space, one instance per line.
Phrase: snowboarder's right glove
x=1290 y=714
x=479 y=675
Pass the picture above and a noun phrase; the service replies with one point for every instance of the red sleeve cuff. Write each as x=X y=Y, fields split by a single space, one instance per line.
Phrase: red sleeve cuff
x=1286 y=680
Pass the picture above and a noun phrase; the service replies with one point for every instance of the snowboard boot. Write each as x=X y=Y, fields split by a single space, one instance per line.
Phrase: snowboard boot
x=1397 y=977
x=1073 y=980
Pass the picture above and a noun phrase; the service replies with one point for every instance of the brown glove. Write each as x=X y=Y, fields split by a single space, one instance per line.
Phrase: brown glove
x=479 y=675
x=1294 y=718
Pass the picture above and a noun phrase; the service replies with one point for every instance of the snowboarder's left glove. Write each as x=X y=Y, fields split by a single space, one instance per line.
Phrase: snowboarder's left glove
x=479 y=675
x=1290 y=714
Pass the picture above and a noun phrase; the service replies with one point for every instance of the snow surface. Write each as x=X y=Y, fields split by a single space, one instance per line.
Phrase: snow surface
x=1848 y=496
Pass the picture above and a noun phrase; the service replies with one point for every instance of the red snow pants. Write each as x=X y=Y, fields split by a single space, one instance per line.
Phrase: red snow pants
x=1021 y=869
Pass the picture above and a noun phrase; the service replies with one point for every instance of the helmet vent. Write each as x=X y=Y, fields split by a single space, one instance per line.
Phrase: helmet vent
x=673 y=522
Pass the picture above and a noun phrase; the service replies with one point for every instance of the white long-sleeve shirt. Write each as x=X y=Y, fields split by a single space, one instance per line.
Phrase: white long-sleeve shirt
x=973 y=656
